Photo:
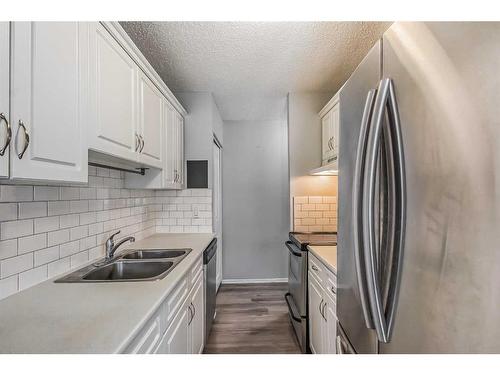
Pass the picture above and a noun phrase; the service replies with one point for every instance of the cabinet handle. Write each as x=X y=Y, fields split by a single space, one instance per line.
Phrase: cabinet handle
x=315 y=268
x=321 y=307
x=333 y=290
x=190 y=314
x=142 y=141
x=137 y=142
x=9 y=134
x=323 y=311
x=26 y=139
x=194 y=309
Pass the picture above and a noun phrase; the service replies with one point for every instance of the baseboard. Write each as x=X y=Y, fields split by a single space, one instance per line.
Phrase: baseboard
x=254 y=281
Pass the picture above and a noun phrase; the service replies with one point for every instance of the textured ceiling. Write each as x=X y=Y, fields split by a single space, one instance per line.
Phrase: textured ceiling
x=254 y=58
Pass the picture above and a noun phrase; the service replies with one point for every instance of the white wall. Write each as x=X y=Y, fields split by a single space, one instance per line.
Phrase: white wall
x=304 y=138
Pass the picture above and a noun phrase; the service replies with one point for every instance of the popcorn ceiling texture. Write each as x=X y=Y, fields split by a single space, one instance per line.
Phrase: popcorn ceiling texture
x=229 y=58
x=47 y=230
x=315 y=214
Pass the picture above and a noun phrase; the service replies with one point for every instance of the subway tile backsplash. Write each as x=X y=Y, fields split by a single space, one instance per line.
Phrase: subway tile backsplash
x=47 y=230
x=315 y=213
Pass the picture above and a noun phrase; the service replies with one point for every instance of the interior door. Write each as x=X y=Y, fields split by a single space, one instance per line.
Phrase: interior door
x=113 y=93
x=315 y=317
x=150 y=114
x=49 y=85
x=197 y=325
x=446 y=85
x=217 y=206
x=5 y=127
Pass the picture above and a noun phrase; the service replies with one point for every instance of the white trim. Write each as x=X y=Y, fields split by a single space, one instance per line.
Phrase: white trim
x=121 y=36
x=254 y=281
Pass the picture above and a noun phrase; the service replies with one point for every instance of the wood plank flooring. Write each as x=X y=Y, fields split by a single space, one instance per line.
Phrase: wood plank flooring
x=252 y=319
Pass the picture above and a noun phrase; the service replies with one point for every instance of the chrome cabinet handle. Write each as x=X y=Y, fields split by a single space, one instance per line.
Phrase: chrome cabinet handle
x=333 y=290
x=190 y=314
x=137 y=142
x=142 y=143
x=194 y=310
x=26 y=139
x=315 y=268
x=323 y=310
x=9 y=133
x=357 y=199
x=320 y=307
x=384 y=316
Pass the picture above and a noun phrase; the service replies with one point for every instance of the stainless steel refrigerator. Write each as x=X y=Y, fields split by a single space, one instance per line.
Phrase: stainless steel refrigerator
x=419 y=193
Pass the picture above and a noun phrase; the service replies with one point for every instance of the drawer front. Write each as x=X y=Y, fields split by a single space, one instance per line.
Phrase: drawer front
x=146 y=341
x=316 y=268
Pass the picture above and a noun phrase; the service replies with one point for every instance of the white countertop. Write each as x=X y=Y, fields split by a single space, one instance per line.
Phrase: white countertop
x=91 y=317
x=327 y=255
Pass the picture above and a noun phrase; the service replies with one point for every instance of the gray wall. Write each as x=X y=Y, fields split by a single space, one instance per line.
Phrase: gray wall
x=255 y=199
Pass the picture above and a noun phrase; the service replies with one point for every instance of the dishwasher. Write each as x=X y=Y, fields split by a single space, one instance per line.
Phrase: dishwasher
x=210 y=272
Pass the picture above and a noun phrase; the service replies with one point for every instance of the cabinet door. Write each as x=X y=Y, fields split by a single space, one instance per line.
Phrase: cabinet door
x=48 y=101
x=171 y=145
x=334 y=131
x=197 y=326
x=315 y=317
x=150 y=114
x=180 y=149
x=176 y=338
x=113 y=93
x=330 y=331
x=4 y=99
x=325 y=137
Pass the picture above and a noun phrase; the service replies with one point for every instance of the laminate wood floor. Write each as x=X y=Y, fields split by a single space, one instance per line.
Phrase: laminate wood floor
x=252 y=319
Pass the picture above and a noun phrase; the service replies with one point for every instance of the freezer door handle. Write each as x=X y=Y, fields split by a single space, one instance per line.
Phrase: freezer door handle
x=385 y=107
x=356 y=206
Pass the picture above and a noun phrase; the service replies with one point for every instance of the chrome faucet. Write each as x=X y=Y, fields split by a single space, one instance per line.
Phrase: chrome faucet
x=111 y=247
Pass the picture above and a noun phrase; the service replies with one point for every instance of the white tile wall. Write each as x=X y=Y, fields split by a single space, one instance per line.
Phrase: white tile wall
x=47 y=230
x=315 y=213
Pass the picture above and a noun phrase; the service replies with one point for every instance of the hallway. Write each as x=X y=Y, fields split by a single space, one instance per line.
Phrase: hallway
x=252 y=319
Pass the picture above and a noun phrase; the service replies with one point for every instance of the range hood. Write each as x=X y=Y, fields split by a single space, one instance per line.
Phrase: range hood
x=331 y=169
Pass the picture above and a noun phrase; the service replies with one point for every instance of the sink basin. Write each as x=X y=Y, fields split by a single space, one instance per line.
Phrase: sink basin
x=133 y=265
x=128 y=271
x=155 y=254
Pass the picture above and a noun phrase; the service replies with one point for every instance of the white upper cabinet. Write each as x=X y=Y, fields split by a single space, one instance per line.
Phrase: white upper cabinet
x=179 y=126
x=5 y=129
x=330 y=118
x=48 y=101
x=113 y=95
x=151 y=122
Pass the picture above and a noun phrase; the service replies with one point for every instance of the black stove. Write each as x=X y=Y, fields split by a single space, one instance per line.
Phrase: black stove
x=302 y=239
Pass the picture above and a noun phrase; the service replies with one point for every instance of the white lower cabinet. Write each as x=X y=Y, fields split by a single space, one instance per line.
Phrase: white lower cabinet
x=178 y=326
x=322 y=308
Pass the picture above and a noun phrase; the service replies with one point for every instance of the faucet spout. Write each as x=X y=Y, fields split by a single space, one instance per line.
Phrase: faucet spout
x=111 y=247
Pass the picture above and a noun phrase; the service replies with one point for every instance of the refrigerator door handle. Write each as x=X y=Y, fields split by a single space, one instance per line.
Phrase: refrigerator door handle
x=357 y=213
x=385 y=100
x=400 y=209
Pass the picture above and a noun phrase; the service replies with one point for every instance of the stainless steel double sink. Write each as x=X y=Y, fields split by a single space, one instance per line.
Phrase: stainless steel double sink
x=132 y=265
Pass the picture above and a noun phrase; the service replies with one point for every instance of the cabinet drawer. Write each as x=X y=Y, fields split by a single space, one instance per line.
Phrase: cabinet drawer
x=145 y=342
x=316 y=268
